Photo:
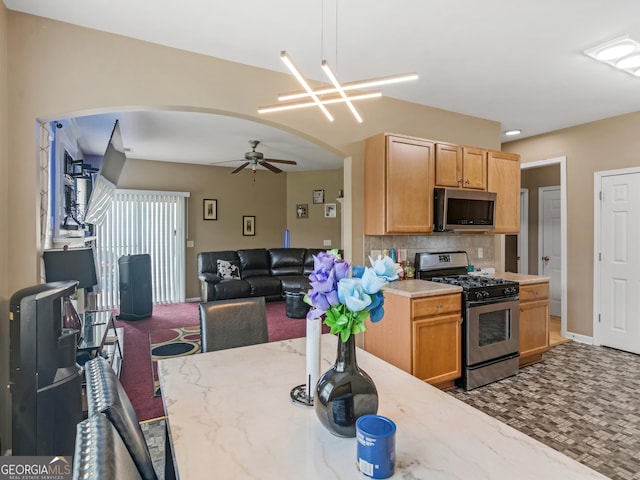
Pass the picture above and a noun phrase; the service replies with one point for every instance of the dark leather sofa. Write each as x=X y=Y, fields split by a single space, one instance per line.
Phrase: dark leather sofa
x=263 y=272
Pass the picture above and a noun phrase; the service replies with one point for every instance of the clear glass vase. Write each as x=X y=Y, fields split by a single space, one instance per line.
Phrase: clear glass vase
x=345 y=392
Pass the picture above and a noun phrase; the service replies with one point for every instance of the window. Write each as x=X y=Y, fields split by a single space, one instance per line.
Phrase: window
x=143 y=222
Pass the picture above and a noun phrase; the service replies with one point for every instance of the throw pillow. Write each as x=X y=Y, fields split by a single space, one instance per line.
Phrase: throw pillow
x=228 y=270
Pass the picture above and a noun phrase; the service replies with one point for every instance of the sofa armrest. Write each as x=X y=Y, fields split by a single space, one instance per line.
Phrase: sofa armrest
x=209 y=278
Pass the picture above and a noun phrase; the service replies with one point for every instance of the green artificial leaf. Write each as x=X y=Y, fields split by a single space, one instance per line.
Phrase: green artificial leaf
x=344 y=335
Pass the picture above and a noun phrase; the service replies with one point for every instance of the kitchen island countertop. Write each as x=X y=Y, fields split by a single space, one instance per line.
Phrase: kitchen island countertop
x=420 y=288
x=521 y=278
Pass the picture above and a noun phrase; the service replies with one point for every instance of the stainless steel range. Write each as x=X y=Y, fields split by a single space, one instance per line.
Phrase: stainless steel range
x=490 y=317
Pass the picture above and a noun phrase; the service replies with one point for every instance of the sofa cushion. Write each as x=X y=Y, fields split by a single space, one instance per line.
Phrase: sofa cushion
x=286 y=261
x=228 y=270
x=308 y=259
x=266 y=286
x=291 y=283
x=231 y=289
x=254 y=262
x=208 y=261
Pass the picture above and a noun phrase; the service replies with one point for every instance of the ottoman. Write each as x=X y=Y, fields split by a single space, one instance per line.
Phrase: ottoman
x=294 y=303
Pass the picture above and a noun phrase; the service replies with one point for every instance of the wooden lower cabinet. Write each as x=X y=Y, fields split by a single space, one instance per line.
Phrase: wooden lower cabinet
x=421 y=336
x=534 y=322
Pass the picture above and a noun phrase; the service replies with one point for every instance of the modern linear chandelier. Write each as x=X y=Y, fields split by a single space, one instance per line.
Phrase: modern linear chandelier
x=327 y=95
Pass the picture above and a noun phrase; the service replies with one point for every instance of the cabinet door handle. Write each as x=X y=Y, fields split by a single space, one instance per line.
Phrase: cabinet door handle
x=440 y=307
x=460 y=321
x=521 y=310
x=467 y=181
x=460 y=181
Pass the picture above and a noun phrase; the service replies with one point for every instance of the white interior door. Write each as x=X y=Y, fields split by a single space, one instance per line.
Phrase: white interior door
x=550 y=252
x=620 y=261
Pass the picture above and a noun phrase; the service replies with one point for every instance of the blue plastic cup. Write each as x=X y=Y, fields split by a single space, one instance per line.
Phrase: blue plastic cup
x=376 y=446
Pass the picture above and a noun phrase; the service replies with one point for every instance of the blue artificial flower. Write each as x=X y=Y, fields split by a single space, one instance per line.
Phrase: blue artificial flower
x=352 y=295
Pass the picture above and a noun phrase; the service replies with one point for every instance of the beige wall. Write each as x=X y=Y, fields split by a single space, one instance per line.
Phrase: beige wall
x=270 y=198
x=533 y=179
x=312 y=231
x=598 y=146
x=58 y=70
x=5 y=407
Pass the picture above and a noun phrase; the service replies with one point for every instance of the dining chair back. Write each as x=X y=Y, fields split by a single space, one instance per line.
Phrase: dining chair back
x=105 y=395
x=233 y=323
x=100 y=453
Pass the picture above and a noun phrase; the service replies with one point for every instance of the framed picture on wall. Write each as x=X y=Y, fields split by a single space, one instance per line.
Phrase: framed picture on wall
x=249 y=226
x=210 y=209
x=302 y=210
x=330 y=210
x=318 y=196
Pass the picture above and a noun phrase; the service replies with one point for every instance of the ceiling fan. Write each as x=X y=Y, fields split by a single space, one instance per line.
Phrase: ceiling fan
x=253 y=159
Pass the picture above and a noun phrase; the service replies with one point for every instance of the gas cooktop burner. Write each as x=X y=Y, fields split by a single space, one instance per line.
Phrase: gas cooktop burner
x=481 y=288
x=470 y=281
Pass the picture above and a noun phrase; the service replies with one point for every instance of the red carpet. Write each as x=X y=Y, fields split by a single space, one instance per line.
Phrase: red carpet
x=136 y=376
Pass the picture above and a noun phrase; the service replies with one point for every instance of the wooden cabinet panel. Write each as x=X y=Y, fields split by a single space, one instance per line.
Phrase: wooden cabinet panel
x=534 y=330
x=448 y=165
x=534 y=322
x=460 y=167
x=438 y=305
x=503 y=178
x=422 y=336
x=474 y=168
x=436 y=348
x=398 y=190
x=535 y=291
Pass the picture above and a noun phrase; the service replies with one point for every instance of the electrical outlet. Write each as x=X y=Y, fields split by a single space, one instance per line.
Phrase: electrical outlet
x=480 y=253
x=375 y=254
x=190 y=244
x=326 y=243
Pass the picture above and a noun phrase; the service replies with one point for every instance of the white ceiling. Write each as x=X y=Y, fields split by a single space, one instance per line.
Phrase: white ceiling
x=517 y=62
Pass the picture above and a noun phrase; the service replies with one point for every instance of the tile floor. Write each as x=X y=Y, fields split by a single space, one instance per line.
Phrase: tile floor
x=581 y=400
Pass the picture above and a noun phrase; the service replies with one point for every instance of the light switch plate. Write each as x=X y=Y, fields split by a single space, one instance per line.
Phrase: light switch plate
x=190 y=244
x=326 y=243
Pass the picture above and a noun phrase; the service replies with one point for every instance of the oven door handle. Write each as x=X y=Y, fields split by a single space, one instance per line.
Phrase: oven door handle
x=479 y=303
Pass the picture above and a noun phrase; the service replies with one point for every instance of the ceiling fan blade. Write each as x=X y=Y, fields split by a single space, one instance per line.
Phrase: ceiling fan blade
x=273 y=168
x=240 y=167
x=288 y=162
x=227 y=161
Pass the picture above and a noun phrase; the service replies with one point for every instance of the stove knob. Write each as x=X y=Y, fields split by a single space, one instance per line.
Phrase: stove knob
x=478 y=295
x=485 y=294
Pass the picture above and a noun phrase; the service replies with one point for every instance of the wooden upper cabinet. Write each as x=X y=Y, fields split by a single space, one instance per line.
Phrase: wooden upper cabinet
x=460 y=167
x=398 y=187
x=503 y=178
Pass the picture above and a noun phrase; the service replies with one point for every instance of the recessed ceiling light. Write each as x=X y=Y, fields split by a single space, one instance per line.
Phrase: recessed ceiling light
x=622 y=53
x=515 y=131
x=615 y=51
x=632 y=61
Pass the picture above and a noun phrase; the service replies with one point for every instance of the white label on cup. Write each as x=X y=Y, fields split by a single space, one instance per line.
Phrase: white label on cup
x=365 y=467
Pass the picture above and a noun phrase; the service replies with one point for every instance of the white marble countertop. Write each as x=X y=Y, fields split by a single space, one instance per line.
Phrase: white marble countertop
x=420 y=288
x=230 y=416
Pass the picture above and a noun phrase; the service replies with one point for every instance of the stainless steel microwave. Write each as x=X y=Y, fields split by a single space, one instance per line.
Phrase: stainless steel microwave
x=463 y=210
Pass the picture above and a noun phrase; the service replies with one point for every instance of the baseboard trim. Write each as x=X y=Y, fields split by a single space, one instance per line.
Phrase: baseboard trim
x=192 y=300
x=579 y=338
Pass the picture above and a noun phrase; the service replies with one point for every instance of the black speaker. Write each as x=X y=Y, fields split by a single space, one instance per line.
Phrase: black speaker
x=135 y=287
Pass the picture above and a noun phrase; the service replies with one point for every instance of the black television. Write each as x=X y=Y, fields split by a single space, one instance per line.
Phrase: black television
x=45 y=379
x=106 y=180
x=71 y=264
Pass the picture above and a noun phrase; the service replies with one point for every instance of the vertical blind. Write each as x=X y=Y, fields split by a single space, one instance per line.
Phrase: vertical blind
x=139 y=222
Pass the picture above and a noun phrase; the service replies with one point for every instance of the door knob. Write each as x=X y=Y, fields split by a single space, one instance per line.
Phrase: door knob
x=545 y=258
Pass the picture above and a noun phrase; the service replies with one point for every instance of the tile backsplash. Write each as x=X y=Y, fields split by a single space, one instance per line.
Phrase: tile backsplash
x=470 y=243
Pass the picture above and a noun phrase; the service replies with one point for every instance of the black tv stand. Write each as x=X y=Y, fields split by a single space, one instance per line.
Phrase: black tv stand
x=101 y=337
